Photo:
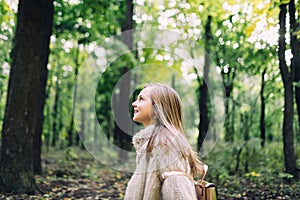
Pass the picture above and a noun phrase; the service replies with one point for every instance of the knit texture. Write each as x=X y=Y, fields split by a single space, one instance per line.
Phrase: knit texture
x=146 y=183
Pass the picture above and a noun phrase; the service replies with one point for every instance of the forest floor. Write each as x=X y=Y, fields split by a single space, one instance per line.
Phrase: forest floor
x=75 y=175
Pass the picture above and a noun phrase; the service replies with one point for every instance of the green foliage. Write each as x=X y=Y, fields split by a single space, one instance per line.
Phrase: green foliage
x=88 y=20
x=265 y=171
x=227 y=159
x=239 y=49
x=285 y=176
x=70 y=154
x=7 y=27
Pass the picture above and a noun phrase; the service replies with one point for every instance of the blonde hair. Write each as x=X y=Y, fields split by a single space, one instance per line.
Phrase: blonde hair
x=167 y=112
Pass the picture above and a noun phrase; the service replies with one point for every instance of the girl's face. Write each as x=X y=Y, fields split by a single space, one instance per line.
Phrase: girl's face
x=142 y=108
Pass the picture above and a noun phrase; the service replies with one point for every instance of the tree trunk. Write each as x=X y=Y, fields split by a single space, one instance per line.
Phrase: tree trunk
x=122 y=128
x=204 y=120
x=295 y=47
x=70 y=132
x=173 y=81
x=37 y=139
x=77 y=66
x=229 y=128
x=297 y=92
x=128 y=25
x=71 y=129
x=82 y=127
x=48 y=123
x=287 y=77
x=30 y=55
x=55 y=132
x=262 y=109
x=96 y=138
x=245 y=130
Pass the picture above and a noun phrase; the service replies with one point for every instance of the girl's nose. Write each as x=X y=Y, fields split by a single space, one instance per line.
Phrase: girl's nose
x=133 y=104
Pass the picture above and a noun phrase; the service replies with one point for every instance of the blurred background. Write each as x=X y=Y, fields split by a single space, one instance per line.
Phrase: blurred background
x=69 y=70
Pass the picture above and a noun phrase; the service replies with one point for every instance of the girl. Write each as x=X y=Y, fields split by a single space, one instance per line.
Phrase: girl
x=165 y=162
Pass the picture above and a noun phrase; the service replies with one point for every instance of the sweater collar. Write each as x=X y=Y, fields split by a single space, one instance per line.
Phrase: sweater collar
x=142 y=136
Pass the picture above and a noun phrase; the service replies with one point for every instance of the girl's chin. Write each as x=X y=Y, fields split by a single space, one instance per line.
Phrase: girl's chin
x=135 y=120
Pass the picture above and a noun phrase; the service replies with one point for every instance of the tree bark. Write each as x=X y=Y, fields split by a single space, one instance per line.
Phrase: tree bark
x=82 y=128
x=71 y=129
x=287 y=78
x=295 y=47
x=77 y=66
x=47 y=132
x=204 y=119
x=55 y=131
x=37 y=139
x=228 y=80
x=246 y=127
x=30 y=56
x=121 y=129
x=228 y=84
x=128 y=25
x=262 y=110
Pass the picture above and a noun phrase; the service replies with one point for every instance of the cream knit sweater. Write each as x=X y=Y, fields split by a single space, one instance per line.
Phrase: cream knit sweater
x=146 y=183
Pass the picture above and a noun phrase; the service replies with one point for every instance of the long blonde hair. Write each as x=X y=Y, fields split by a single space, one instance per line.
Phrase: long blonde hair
x=167 y=112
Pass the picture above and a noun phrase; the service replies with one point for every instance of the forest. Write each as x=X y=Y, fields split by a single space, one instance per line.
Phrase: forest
x=70 y=70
